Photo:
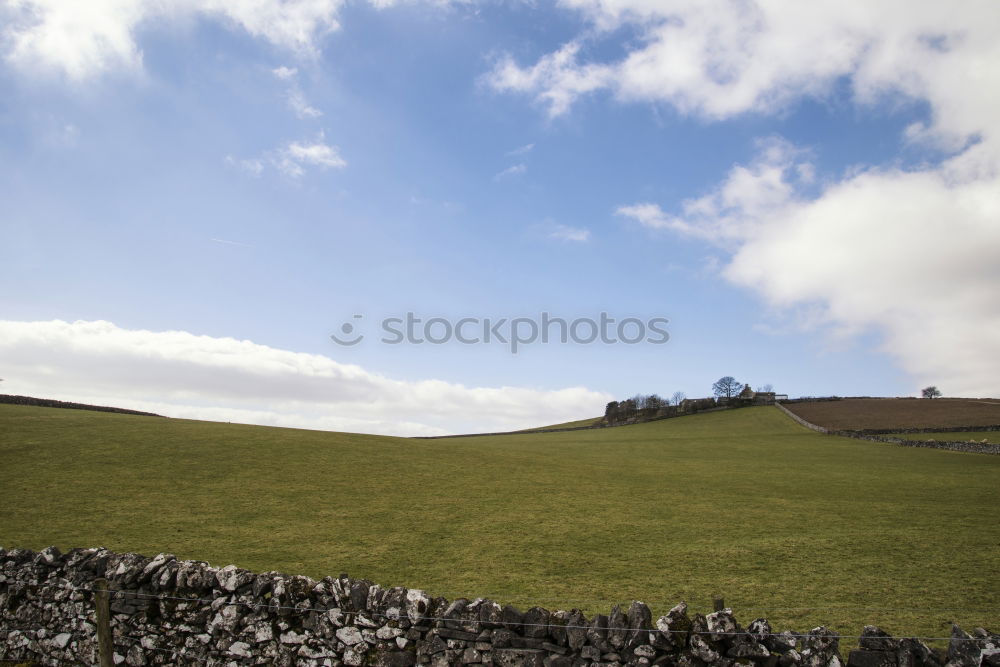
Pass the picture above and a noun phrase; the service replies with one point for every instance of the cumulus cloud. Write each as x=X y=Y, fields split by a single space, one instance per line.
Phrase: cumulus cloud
x=718 y=58
x=89 y=38
x=747 y=197
x=180 y=374
x=85 y=39
x=914 y=255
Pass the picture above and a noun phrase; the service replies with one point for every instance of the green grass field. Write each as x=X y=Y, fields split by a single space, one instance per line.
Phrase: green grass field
x=785 y=523
x=590 y=421
x=990 y=436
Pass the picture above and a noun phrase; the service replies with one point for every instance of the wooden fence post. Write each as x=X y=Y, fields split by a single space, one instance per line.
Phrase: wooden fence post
x=105 y=646
x=718 y=603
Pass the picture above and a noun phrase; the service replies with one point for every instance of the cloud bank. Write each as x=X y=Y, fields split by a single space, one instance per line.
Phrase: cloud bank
x=179 y=374
x=81 y=40
x=912 y=253
x=85 y=39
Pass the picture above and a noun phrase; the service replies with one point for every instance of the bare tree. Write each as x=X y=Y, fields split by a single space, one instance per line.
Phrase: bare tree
x=677 y=397
x=727 y=386
x=930 y=392
x=765 y=388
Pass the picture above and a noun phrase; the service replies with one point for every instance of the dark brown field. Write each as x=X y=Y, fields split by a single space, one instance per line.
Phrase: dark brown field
x=885 y=413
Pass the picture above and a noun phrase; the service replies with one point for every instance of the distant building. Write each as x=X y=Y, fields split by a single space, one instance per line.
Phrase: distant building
x=750 y=397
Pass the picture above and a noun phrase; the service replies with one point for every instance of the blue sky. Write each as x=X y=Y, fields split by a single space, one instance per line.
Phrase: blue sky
x=196 y=197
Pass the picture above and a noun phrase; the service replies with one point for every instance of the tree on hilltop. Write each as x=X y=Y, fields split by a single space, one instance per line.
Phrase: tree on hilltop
x=930 y=392
x=677 y=397
x=727 y=386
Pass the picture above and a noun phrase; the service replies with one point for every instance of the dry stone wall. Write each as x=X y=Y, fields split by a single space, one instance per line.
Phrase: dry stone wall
x=171 y=612
x=11 y=399
x=882 y=435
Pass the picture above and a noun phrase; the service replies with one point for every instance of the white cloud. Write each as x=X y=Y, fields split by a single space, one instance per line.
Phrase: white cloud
x=567 y=233
x=179 y=374
x=912 y=254
x=557 y=79
x=749 y=194
x=285 y=73
x=296 y=98
x=297 y=155
x=718 y=58
x=85 y=39
x=521 y=150
x=293 y=158
x=513 y=170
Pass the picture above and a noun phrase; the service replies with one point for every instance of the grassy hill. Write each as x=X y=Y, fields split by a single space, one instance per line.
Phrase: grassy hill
x=590 y=421
x=884 y=413
x=785 y=523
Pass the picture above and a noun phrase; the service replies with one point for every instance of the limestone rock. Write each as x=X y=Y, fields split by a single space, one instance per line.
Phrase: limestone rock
x=232 y=577
x=597 y=633
x=616 y=628
x=536 y=623
x=240 y=649
x=821 y=648
x=417 y=605
x=576 y=630
x=350 y=635
x=673 y=628
x=963 y=650
x=512 y=618
x=640 y=620
x=874 y=638
x=721 y=625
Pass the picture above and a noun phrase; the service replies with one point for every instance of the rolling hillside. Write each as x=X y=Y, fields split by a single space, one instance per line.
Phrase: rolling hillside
x=889 y=413
x=800 y=527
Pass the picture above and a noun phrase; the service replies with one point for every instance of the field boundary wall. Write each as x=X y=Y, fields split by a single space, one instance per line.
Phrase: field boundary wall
x=882 y=435
x=164 y=611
